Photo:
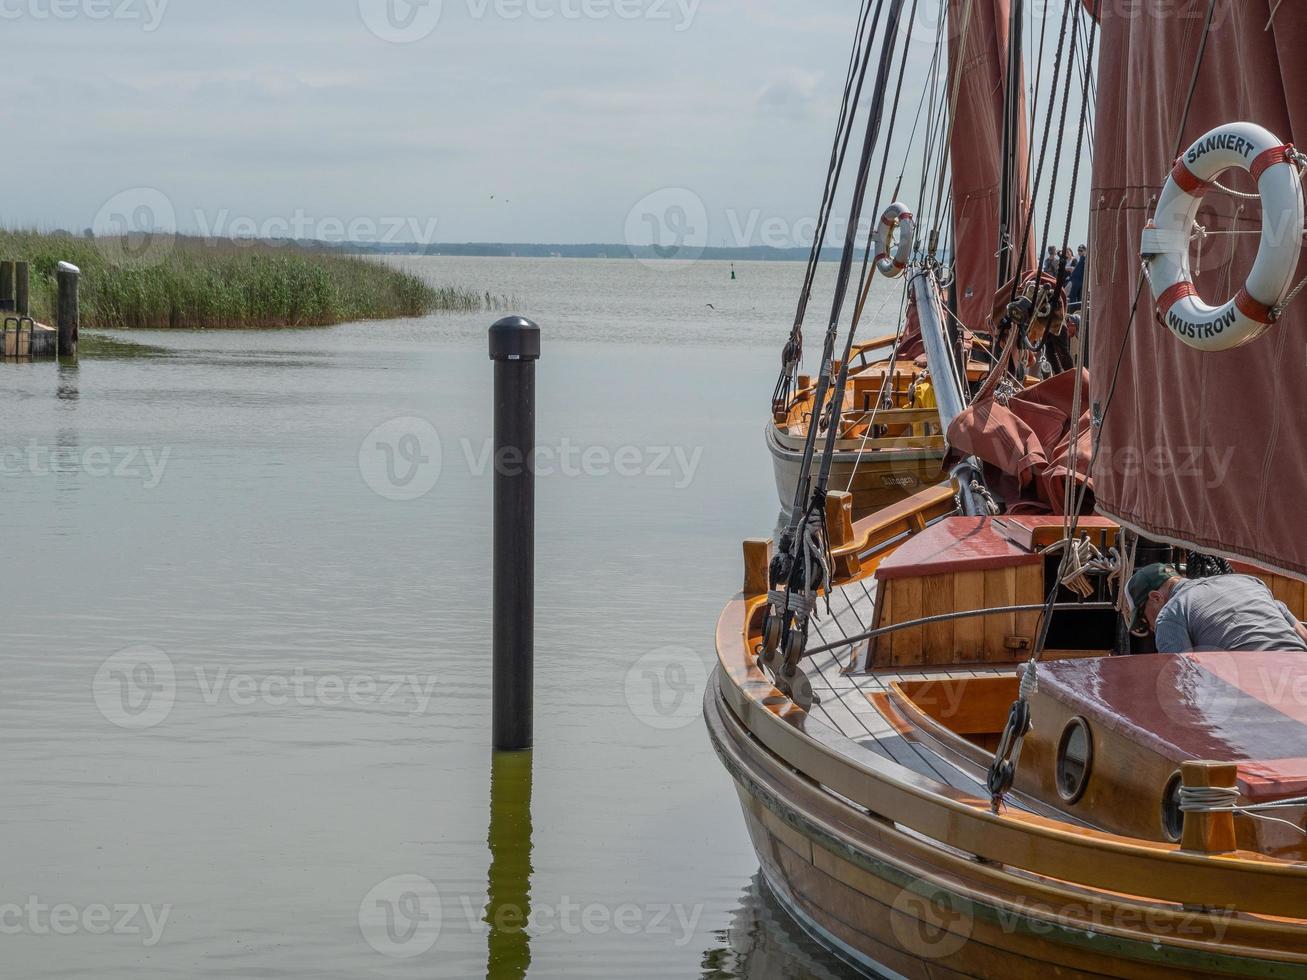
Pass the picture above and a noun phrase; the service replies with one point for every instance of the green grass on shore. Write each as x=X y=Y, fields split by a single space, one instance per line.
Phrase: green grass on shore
x=195 y=283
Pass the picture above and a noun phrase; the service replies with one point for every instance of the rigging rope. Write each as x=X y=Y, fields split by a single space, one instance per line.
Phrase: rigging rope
x=1225 y=799
x=1003 y=771
x=803 y=561
x=793 y=351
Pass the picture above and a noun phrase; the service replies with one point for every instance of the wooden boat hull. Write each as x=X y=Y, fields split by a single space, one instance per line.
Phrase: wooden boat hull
x=876 y=478
x=893 y=904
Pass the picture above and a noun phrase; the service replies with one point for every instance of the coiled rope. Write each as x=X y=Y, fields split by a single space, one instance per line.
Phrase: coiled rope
x=1225 y=799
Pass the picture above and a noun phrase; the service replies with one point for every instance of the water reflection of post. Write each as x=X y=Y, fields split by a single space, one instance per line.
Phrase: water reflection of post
x=69 y=389
x=508 y=890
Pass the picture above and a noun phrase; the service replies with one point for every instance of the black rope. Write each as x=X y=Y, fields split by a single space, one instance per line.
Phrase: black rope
x=1045 y=621
x=793 y=352
x=1057 y=152
x=875 y=116
x=795 y=564
x=841 y=285
x=1013 y=120
x=1059 y=348
x=1199 y=565
x=1043 y=154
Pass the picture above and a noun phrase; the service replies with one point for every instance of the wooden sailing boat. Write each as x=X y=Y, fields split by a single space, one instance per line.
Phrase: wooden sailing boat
x=952 y=759
x=888 y=444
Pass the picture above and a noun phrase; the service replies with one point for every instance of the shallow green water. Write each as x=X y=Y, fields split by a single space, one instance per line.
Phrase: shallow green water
x=246 y=644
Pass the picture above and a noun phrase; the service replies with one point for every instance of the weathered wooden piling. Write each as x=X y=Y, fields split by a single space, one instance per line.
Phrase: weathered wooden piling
x=7 y=286
x=514 y=347
x=22 y=288
x=68 y=316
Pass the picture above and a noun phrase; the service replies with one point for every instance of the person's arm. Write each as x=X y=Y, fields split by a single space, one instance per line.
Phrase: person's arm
x=1292 y=620
x=1173 y=635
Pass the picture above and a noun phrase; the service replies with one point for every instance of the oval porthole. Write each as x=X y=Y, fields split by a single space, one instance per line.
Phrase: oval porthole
x=1172 y=815
x=1075 y=757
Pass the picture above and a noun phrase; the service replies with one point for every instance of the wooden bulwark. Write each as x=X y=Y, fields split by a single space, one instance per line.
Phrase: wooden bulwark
x=926 y=911
x=1037 y=845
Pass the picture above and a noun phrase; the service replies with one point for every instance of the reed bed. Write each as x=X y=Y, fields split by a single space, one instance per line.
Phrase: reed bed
x=196 y=283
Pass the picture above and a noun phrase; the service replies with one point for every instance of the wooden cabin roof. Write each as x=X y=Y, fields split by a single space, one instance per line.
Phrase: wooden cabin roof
x=955 y=544
x=1249 y=708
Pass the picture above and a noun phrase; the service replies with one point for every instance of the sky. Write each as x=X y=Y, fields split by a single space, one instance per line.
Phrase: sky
x=564 y=121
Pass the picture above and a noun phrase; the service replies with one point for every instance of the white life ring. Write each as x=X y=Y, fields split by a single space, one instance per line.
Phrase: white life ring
x=891 y=263
x=1165 y=244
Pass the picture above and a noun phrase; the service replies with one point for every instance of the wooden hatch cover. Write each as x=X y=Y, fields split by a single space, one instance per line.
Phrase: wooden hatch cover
x=1249 y=708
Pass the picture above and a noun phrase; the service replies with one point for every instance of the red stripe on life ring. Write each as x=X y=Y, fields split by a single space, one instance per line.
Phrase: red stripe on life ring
x=887 y=220
x=1184 y=179
x=1265 y=161
x=906 y=216
x=880 y=257
x=1174 y=294
x=1252 y=309
x=900 y=265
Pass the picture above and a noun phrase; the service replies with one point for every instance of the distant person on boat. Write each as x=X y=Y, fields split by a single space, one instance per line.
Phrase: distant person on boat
x=1076 y=287
x=1227 y=612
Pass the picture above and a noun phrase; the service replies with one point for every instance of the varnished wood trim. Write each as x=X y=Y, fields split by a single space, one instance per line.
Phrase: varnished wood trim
x=1037 y=844
x=1047 y=908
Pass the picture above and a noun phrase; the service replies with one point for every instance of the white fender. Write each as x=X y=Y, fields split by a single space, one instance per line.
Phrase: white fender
x=891 y=263
x=1165 y=246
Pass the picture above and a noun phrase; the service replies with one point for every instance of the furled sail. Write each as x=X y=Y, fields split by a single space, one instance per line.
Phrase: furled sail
x=1207 y=450
x=978 y=70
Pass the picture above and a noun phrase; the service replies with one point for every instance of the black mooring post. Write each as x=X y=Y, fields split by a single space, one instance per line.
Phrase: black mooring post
x=7 y=286
x=514 y=347
x=22 y=288
x=68 y=315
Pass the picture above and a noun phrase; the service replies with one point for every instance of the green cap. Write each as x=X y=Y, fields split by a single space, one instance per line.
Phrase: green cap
x=1148 y=579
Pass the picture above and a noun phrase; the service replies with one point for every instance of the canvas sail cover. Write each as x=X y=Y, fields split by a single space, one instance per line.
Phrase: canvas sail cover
x=1201 y=449
x=978 y=65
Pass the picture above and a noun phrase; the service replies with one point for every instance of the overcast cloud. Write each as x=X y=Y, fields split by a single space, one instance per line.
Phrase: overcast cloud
x=461 y=120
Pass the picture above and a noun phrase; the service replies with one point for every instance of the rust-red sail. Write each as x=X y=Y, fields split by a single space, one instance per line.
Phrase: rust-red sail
x=978 y=37
x=1201 y=449
x=978 y=68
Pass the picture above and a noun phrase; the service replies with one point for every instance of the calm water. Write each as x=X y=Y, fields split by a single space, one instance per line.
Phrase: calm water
x=246 y=652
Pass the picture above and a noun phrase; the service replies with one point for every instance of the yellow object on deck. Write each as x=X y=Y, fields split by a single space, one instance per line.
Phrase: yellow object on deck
x=924 y=398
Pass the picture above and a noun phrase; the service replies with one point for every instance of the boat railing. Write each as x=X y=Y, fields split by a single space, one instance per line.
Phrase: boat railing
x=1024 y=842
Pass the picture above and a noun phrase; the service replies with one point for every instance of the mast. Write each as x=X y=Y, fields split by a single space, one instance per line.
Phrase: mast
x=1013 y=115
x=988 y=153
x=949 y=396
